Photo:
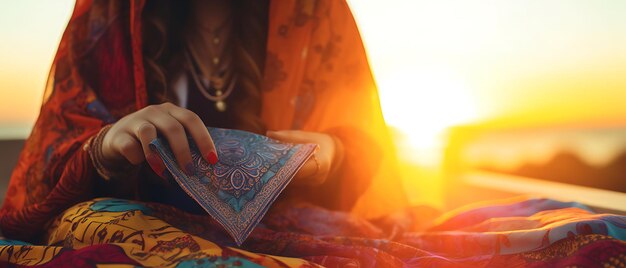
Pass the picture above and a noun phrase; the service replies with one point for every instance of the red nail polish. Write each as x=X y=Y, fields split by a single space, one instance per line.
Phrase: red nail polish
x=212 y=157
x=156 y=164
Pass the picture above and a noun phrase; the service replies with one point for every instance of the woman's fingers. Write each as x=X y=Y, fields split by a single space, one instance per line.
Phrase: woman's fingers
x=129 y=138
x=146 y=133
x=129 y=148
x=195 y=127
x=291 y=136
x=307 y=174
x=175 y=134
x=316 y=169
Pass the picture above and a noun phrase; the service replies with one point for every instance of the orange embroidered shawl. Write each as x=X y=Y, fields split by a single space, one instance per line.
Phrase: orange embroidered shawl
x=317 y=78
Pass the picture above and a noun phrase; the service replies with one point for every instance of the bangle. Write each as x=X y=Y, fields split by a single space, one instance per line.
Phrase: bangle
x=94 y=147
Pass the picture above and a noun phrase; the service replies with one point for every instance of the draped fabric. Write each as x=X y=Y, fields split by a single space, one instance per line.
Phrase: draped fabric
x=515 y=233
x=316 y=78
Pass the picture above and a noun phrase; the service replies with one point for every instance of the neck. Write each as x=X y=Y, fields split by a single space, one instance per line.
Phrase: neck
x=211 y=14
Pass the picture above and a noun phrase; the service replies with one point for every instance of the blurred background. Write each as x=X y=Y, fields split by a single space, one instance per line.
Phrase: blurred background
x=486 y=99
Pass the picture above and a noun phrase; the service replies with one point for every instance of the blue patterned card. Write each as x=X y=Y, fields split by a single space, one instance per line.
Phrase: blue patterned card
x=239 y=189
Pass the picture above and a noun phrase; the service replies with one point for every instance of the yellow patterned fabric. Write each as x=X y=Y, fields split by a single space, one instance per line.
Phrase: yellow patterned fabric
x=127 y=234
x=516 y=233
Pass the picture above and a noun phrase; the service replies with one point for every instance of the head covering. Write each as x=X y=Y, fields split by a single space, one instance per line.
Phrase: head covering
x=317 y=78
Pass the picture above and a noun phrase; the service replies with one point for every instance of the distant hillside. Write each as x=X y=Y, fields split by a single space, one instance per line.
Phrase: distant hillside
x=567 y=167
x=9 y=151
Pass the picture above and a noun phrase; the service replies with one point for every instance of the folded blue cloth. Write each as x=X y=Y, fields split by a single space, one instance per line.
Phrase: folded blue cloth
x=239 y=189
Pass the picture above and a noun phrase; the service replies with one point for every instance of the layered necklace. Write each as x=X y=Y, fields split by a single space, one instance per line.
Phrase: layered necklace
x=215 y=80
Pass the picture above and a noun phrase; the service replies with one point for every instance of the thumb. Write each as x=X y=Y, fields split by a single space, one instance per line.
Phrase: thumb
x=291 y=136
x=278 y=135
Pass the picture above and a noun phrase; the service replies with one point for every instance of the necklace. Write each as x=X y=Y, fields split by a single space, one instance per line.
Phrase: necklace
x=214 y=82
x=215 y=32
x=216 y=39
x=217 y=81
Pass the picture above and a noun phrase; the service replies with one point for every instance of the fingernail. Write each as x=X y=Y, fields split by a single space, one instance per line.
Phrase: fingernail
x=190 y=169
x=212 y=157
x=156 y=164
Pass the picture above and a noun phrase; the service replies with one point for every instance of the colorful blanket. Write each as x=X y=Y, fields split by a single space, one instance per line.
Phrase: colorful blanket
x=519 y=233
x=239 y=189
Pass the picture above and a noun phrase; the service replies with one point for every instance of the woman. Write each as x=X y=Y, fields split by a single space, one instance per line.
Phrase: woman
x=127 y=71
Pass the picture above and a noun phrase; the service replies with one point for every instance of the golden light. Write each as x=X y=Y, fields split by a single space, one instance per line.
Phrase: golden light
x=30 y=32
x=508 y=64
x=423 y=104
x=443 y=63
x=438 y=64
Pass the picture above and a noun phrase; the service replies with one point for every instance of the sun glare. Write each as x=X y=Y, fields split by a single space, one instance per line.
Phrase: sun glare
x=517 y=63
x=422 y=104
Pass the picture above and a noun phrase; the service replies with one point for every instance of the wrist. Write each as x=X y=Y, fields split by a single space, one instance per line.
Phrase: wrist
x=106 y=168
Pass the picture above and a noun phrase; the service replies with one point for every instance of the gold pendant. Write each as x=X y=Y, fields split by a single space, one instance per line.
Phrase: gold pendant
x=220 y=106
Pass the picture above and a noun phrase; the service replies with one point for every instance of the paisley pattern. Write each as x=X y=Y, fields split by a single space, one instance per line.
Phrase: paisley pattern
x=51 y=218
x=97 y=77
x=509 y=233
x=124 y=233
x=238 y=190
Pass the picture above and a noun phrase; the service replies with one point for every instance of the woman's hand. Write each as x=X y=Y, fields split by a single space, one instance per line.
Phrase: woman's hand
x=128 y=140
x=319 y=166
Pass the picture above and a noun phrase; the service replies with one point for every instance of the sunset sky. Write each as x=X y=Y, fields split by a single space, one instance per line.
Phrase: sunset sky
x=437 y=63
x=30 y=32
x=440 y=63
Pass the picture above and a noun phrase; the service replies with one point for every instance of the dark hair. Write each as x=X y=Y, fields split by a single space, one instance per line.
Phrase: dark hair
x=163 y=47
